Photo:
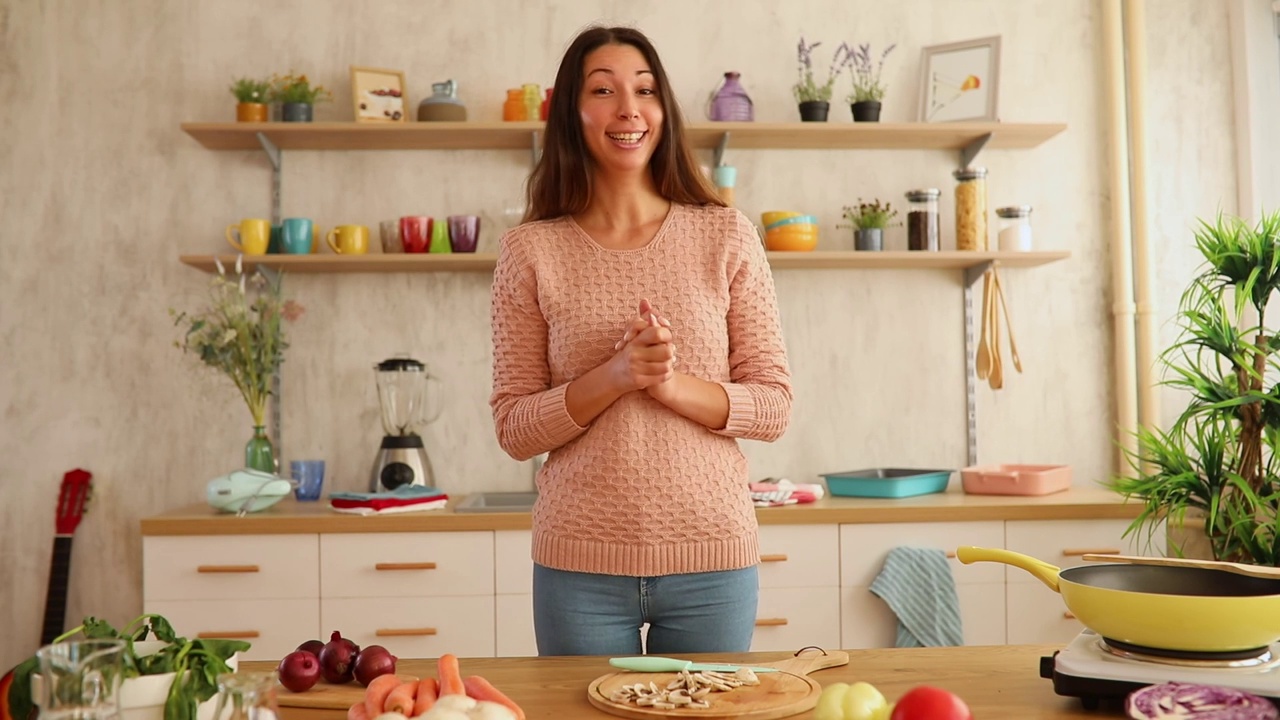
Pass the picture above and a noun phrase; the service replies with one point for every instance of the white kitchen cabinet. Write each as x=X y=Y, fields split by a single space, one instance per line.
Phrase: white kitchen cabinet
x=799 y=556
x=1037 y=615
x=415 y=627
x=863 y=548
x=513 y=626
x=235 y=567
x=792 y=618
x=867 y=622
x=273 y=628
x=513 y=562
x=406 y=564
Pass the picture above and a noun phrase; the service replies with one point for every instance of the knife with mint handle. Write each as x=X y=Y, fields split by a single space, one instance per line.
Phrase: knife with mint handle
x=653 y=663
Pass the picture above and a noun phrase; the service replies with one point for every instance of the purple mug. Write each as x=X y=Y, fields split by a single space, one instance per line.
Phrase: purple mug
x=464 y=233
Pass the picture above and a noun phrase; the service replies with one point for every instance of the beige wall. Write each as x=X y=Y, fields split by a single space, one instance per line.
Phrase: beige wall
x=101 y=192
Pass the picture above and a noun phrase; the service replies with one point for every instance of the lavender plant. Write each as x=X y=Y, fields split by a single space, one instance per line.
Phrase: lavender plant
x=866 y=74
x=808 y=89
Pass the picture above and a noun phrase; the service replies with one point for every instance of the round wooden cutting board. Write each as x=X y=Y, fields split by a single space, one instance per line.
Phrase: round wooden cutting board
x=781 y=694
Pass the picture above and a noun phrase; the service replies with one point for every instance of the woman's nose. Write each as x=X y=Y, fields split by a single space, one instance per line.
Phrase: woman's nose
x=627 y=108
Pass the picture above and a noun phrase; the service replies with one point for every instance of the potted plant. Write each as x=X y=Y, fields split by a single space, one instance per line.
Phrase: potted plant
x=815 y=99
x=1219 y=459
x=252 y=96
x=241 y=333
x=297 y=96
x=185 y=672
x=868 y=220
x=867 y=90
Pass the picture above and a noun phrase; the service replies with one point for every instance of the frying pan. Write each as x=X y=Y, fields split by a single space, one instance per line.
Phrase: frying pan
x=1168 y=608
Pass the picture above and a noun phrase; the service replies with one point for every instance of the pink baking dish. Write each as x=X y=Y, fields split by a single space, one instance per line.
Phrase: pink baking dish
x=1015 y=479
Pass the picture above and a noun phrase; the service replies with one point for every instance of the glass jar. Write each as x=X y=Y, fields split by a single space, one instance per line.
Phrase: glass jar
x=513 y=110
x=1015 y=228
x=922 y=219
x=247 y=696
x=532 y=100
x=971 y=208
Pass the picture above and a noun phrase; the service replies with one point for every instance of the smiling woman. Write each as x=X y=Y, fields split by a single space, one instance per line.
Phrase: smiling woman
x=643 y=516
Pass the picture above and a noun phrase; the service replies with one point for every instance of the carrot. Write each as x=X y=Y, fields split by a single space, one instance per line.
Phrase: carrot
x=428 y=690
x=400 y=699
x=450 y=675
x=481 y=689
x=375 y=696
x=358 y=712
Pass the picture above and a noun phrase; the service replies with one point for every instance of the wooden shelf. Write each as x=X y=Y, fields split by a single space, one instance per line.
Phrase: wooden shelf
x=484 y=262
x=704 y=135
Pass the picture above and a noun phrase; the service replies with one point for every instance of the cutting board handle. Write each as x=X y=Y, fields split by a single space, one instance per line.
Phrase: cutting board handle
x=811 y=660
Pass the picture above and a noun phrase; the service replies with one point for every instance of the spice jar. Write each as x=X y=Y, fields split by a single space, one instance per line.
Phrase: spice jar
x=1015 y=228
x=513 y=110
x=971 y=208
x=922 y=219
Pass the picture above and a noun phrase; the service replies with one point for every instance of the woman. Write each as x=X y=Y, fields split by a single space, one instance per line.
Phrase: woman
x=636 y=335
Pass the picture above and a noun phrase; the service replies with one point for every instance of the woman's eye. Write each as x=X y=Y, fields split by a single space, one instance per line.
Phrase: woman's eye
x=601 y=91
x=646 y=91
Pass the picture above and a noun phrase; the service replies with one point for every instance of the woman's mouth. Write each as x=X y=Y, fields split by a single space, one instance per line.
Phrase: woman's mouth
x=627 y=139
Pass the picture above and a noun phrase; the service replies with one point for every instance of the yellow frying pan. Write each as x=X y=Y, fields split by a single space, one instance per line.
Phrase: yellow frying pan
x=1170 y=608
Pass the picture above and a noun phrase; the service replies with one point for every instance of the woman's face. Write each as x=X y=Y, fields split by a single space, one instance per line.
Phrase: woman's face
x=620 y=108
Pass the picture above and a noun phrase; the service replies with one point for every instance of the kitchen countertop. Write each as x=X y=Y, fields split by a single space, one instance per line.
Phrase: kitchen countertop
x=997 y=681
x=291 y=517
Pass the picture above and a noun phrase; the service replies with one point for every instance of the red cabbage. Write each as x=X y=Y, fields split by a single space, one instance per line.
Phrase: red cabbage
x=1199 y=702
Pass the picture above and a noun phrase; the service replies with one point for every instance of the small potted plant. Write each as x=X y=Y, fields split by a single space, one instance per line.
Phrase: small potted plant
x=867 y=90
x=297 y=96
x=252 y=96
x=815 y=99
x=868 y=220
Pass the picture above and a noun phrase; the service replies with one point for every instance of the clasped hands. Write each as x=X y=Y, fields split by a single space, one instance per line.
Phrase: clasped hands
x=646 y=354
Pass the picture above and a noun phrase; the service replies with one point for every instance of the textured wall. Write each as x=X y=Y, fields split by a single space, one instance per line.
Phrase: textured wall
x=101 y=192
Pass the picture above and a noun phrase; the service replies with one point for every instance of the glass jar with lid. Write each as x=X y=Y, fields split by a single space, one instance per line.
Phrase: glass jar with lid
x=922 y=219
x=1015 y=228
x=971 y=208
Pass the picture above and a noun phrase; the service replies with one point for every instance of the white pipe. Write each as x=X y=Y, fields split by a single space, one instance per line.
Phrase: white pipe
x=1135 y=28
x=1238 y=35
x=1121 y=259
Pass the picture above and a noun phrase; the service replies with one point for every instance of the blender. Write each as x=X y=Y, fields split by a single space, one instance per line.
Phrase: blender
x=402 y=395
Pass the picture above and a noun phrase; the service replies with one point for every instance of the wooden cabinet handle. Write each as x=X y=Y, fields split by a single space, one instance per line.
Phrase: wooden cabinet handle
x=780 y=557
x=770 y=622
x=951 y=554
x=405 y=566
x=404 y=632
x=227 y=568
x=1070 y=552
x=229 y=635
x=1068 y=615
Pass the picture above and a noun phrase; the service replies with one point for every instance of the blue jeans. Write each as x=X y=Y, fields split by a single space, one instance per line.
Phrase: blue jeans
x=588 y=614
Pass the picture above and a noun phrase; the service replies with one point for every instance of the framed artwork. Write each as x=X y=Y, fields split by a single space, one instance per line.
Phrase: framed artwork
x=960 y=80
x=377 y=94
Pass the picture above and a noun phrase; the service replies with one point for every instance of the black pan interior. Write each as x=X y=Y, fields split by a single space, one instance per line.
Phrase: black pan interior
x=1171 y=580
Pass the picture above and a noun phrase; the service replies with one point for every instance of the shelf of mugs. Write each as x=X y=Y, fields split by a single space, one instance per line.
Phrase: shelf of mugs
x=484 y=262
x=968 y=137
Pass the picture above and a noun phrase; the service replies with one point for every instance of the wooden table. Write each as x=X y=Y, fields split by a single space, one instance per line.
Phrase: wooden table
x=998 y=682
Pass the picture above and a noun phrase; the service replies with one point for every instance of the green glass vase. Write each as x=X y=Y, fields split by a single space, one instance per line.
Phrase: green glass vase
x=259 y=454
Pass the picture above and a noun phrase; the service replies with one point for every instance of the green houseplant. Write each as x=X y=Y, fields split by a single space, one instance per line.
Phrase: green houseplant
x=864 y=101
x=241 y=333
x=1219 y=459
x=252 y=96
x=868 y=221
x=814 y=97
x=297 y=96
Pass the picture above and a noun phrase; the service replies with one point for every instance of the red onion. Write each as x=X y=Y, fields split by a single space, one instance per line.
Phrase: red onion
x=1197 y=702
x=337 y=658
x=373 y=661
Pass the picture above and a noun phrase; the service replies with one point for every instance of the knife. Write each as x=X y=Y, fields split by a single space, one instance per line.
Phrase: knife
x=653 y=663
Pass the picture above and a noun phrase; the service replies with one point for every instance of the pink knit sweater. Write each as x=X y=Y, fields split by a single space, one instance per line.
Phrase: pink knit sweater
x=642 y=491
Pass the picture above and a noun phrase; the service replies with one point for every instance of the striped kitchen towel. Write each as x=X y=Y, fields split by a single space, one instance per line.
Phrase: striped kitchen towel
x=918 y=586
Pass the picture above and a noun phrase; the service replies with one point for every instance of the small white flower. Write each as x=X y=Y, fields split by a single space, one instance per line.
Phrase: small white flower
x=239 y=264
x=221 y=270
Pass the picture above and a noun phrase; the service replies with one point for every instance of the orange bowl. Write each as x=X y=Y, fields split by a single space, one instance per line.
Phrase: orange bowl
x=773 y=216
x=791 y=240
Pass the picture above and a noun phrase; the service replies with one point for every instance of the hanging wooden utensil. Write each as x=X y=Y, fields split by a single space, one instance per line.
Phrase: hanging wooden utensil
x=996 y=379
x=984 y=339
x=1004 y=305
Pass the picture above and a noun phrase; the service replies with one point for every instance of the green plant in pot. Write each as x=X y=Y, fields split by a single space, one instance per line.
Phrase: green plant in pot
x=252 y=96
x=297 y=96
x=1218 y=462
x=241 y=334
x=814 y=98
x=864 y=101
x=868 y=221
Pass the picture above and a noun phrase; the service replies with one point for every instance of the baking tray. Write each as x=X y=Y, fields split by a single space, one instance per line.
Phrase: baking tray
x=1014 y=479
x=887 y=482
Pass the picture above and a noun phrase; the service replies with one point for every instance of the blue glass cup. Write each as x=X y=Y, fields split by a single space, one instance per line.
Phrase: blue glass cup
x=310 y=477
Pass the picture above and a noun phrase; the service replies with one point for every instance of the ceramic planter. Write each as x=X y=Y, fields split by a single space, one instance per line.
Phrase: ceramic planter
x=296 y=112
x=814 y=110
x=251 y=112
x=866 y=111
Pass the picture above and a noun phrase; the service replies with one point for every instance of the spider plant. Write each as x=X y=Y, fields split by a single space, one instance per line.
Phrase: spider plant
x=1219 y=458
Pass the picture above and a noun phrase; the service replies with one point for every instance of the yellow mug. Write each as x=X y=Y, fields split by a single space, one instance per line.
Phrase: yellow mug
x=250 y=236
x=349 y=239
x=315 y=238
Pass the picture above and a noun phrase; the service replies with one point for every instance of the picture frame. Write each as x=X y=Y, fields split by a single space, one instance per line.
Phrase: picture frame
x=960 y=81
x=378 y=95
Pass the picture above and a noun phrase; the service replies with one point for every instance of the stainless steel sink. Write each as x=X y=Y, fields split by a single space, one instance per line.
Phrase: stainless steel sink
x=489 y=502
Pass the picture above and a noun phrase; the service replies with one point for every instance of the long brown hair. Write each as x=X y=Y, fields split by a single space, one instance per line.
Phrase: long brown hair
x=561 y=182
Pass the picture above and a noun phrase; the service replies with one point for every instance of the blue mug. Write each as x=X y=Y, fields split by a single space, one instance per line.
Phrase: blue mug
x=310 y=477
x=295 y=236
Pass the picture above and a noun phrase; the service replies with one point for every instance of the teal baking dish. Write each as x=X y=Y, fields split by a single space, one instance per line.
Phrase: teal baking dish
x=887 y=482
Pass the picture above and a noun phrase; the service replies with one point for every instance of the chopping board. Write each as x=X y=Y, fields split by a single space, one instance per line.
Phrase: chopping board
x=778 y=695
x=324 y=696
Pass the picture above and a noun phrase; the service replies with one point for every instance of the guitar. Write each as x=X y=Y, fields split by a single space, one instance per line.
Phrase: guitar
x=73 y=497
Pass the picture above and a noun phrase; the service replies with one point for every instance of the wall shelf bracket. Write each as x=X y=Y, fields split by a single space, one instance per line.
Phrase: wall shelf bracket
x=720 y=148
x=536 y=146
x=971 y=276
x=970 y=152
x=277 y=160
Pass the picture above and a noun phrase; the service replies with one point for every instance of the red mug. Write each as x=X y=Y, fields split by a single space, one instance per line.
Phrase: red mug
x=415 y=233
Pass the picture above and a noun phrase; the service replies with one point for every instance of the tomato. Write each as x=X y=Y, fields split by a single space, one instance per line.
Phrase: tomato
x=930 y=703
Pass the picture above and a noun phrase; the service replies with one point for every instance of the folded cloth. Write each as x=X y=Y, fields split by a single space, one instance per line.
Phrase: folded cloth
x=389 y=509
x=783 y=492
x=918 y=586
x=388 y=502
x=404 y=491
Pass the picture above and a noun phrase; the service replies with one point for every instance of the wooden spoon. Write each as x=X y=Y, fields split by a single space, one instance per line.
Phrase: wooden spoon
x=984 y=341
x=1258 y=571
x=996 y=380
x=1004 y=305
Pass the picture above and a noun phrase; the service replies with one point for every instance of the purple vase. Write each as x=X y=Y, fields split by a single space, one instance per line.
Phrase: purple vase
x=731 y=103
